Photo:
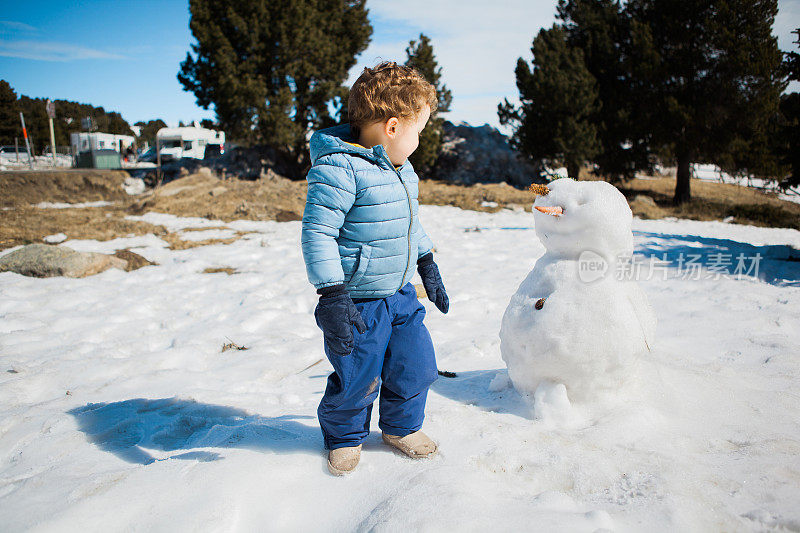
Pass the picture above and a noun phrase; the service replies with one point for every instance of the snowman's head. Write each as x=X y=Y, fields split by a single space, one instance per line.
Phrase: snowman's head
x=576 y=216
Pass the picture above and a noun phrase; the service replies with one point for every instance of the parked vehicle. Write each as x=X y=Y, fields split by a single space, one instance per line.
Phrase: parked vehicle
x=189 y=141
x=9 y=153
x=148 y=156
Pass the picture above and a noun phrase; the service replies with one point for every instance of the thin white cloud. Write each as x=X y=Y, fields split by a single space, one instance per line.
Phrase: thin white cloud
x=15 y=25
x=787 y=20
x=51 y=51
x=476 y=45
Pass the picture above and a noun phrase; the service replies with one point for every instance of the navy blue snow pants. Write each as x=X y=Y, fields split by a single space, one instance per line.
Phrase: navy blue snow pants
x=395 y=358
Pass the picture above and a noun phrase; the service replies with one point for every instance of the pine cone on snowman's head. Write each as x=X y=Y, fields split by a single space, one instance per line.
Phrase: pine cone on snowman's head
x=539 y=189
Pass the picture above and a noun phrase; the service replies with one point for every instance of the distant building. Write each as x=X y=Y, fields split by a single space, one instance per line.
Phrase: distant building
x=85 y=142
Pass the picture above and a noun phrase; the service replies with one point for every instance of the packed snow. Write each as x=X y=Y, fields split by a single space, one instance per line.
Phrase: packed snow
x=55 y=238
x=119 y=410
x=65 y=205
x=133 y=185
x=575 y=320
x=40 y=162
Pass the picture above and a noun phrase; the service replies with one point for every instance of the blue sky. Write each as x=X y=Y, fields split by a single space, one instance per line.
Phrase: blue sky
x=125 y=56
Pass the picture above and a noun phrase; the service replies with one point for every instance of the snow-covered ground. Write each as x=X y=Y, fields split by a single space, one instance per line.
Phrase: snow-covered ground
x=40 y=162
x=120 y=412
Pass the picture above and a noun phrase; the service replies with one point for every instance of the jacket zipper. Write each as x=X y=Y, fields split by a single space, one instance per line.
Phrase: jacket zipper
x=410 y=221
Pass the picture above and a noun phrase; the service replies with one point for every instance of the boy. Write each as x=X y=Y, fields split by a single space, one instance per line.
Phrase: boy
x=361 y=239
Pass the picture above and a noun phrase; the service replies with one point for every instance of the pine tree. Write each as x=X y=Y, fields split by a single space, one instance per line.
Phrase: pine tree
x=600 y=29
x=558 y=99
x=271 y=68
x=708 y=77
x=68 y=120
x=148 y=131
x=10 y=126
x=420 y=56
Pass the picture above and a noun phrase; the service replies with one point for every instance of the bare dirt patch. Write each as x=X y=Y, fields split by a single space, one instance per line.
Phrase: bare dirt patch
x=214 y=270
x=19 y=188
x=132 y=259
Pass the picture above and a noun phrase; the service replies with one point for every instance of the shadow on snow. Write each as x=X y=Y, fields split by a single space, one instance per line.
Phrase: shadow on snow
x=472 y=388
x=128 y=428
x=778 y=264
x=131 y=428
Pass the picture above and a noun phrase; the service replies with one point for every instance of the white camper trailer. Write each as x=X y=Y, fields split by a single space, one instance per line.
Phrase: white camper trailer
x=189 y=141
x=91 y=142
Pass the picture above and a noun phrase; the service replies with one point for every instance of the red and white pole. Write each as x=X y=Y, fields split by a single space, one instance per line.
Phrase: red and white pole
x=27 y=143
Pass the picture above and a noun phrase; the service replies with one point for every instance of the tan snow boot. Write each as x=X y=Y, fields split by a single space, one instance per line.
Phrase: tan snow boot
x=342 y=461
x=416 y=445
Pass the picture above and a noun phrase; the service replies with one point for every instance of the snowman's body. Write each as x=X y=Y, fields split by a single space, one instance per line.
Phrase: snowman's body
x=592 y=324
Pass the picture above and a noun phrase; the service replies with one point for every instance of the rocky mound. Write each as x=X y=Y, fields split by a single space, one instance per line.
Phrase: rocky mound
x=45 y=260
x=481 y=155
x=204 y=194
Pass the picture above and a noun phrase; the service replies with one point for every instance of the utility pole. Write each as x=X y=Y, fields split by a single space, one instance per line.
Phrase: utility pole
x=16 y=147
x=27 y=144
x=51 y=114
x=158 y=161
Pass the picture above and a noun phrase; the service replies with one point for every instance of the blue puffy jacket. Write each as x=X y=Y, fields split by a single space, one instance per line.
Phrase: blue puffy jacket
x=360 y=225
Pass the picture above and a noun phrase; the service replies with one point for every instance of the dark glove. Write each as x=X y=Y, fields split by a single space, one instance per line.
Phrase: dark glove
x=432 y=281
x=335 y=314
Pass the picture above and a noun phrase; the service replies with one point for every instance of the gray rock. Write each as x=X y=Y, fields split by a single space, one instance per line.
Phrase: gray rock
x=481 y=155
x=644 y=199
x=644 y=206
x=43 y=260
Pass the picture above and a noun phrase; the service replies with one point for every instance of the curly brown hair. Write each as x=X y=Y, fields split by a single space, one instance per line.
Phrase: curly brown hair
x=389 y=90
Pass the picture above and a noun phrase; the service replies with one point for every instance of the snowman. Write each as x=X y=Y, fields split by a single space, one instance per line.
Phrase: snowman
x=576 y=326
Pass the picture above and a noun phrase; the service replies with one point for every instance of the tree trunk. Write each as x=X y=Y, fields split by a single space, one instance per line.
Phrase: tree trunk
x=682 y=183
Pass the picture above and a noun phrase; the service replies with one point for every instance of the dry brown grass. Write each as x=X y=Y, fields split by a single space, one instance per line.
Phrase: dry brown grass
x=716 y=201
x=205 y=195
x=22 y=188
x=177 y=243
x=25 y=224
x=473 y=196
x=214 y=270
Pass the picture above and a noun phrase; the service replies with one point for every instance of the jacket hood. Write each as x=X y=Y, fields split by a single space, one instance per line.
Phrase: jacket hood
x=335 y=140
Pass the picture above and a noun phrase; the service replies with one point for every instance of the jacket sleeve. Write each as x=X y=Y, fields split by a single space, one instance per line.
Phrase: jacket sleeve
x=425 y=243
x=331 y=194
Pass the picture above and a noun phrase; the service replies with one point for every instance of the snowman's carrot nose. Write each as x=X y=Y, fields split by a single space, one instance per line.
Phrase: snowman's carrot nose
x=556 y=211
